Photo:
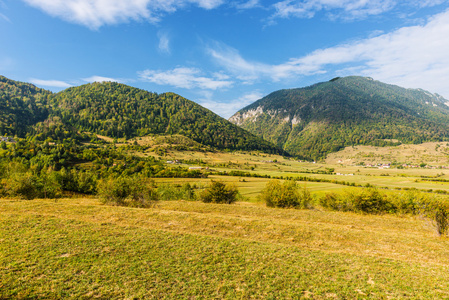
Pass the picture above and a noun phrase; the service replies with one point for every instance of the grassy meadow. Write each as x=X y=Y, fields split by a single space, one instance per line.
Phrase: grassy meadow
x=79 y=248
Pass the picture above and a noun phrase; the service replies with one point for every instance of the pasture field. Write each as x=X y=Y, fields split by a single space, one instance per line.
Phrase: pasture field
x=434 y=153
x=425 y=179
x=78 y=248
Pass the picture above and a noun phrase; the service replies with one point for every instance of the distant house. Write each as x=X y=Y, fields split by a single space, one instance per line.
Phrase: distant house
x=7 y=139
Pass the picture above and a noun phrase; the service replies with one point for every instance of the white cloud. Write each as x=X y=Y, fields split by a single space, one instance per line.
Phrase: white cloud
x=249 y=72
x=249 y=4
x=414 y=56
x=187 y=78
x=227 y=109
x=96 y=13
x=344 y=9
x=164 y=42
x=428 y=3
x=99 y=79
x=348 y=9
x=50 y=83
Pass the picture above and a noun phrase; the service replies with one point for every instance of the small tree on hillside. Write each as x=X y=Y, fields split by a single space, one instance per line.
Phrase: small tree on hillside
x=219 y=192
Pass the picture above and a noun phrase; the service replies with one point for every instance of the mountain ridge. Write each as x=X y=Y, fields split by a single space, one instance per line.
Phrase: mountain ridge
x=118 y=110
x=328 y=116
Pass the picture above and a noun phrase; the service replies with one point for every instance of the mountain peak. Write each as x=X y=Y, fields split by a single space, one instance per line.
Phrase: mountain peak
x=327 y=116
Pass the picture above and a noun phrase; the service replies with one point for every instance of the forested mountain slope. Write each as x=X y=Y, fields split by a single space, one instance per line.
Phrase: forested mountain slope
x=325 y=117
x=116 y=110
x=21 y=106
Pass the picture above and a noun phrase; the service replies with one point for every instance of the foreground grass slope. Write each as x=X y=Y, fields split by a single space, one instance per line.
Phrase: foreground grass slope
x=77 y=248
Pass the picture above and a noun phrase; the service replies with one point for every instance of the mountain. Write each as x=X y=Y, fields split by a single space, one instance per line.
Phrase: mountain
x=323 y=118
x=116 y=110
x=21 y=106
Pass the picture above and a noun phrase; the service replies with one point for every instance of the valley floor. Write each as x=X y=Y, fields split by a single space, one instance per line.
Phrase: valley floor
x=78 y=248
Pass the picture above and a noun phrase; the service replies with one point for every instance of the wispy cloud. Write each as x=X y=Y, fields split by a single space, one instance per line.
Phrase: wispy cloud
x=50 y=83
x=164 y=42
x=96 y=13
x=414 y=56
x=187 y=78
x=249 y=4
x=228 y=108
x=4 y=18
x=249 y=72
x=348 y=9
x=344 y=9
x=96 y=78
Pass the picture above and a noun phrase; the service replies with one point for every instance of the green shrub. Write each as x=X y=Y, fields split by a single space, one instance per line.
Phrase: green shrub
x=176 y=192
x=370 y=201
x=409 y=202
x=336 y=202
x=86 y=182
x=285 y=195
x=51 y=186
x=171 y=192
x=127 y=191
x=219 y=192
x=437 y=210
x=188 y=191
x=23 y=185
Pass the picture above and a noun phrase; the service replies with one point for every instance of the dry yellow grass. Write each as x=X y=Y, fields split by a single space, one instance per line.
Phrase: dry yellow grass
x=78 y=248
x=411 y=239
x=433 y=153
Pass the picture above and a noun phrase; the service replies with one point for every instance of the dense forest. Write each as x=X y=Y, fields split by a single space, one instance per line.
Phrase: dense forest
x=21 y=106
x=118 y=111
x=326 y=117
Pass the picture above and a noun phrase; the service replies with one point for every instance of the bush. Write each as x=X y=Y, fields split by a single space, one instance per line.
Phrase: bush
x=169 y=192
x=336 y=202
x=370 y=201
x=176 y=192
x=219 y=192
x=51 y=186
x=437 y=211
x=409 y=202
x=23 y=185
x=285 y=195
x=127 y=191
x=188 y=192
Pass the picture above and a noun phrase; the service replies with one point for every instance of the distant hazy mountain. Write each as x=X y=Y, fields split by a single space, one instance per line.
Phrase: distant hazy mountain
x=325 y=117
x=116 y=110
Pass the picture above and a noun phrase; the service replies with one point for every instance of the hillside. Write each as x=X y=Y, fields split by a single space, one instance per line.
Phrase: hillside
x=325 y=117
x=21 y=106
x=118 y=111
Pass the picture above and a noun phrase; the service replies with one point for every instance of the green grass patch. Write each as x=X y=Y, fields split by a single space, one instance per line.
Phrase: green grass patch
x=77 y=248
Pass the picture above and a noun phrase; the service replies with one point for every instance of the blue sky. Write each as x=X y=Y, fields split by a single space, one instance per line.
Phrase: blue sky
x=224 y=55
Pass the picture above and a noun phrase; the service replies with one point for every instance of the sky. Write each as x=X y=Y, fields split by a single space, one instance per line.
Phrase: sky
x=221 y=54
